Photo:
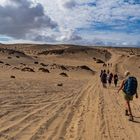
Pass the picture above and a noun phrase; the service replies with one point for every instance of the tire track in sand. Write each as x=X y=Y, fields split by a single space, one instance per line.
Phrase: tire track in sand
x=60 y=130
x=80 y=123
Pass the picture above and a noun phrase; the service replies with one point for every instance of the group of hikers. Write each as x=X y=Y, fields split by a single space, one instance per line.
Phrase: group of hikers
x=107 y=77
x=107 y=65
x=128 y=87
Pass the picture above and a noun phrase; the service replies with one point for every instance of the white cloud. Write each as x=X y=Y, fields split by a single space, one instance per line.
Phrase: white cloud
x=110 y=38
x=69 y=17
x=72 y=15
x=18 y=18
x=68 y=4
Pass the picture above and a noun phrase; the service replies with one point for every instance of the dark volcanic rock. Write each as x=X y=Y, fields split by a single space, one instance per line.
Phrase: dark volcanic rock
x=99 y=61
x=27 y=69
x=12 y=77
x=23 y=64
x=63 y=74
x=35 y=62
x=44 y=65
x=60 y=85
x=7 y=64
x=44 y=70
x=9 y=57
x=63 y=67
x=17 y=56
x=84 y=67
x=1 y=62
x=16 y=68
x=56 y=52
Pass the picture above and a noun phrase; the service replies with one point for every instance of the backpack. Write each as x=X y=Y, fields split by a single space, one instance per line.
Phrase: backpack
x=130 y=86
x=104 y=77
x=110 y=77
x=115 y=77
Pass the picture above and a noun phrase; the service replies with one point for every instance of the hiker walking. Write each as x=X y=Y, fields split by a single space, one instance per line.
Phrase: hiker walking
x=110 y=78
x=104 y=64
x=129 y=89
x=104 y=78
x=108 y=71
x=115 y=79
x=108 y=75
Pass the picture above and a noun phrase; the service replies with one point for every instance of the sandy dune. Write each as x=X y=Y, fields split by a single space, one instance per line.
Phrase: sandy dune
x=54 y=93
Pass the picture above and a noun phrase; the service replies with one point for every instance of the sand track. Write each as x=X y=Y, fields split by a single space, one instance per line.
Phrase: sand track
x=36 y=108
x=92 y=113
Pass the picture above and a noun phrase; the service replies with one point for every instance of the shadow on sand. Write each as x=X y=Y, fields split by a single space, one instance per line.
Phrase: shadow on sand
x=136 y=119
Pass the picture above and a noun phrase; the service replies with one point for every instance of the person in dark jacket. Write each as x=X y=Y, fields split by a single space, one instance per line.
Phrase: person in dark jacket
x=104 y=78
x=110 y=78
x=115 y=79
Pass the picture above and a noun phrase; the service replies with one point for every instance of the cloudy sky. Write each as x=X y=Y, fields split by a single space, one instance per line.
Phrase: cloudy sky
x=88 y=22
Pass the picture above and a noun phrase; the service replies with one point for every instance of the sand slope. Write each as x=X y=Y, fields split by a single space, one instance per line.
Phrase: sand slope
x=65 y=101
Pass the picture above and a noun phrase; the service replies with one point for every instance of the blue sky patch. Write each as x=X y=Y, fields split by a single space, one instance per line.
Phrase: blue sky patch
x=71 y=21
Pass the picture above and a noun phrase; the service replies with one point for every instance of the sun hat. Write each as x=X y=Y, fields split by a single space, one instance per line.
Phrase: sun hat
x=127 y=73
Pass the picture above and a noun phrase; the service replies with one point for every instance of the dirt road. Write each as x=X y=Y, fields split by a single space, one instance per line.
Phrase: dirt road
x=80 y=110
